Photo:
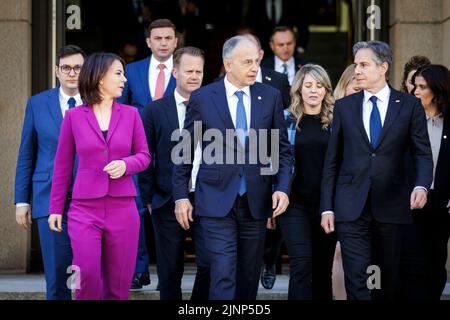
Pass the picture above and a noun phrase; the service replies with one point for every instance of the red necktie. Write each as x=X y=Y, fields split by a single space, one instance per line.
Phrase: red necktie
x=159 y=90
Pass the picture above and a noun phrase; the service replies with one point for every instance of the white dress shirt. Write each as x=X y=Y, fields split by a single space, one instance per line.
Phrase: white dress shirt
x=153 y=73
x=181 y=111
x=232 y=100
x=382 y=104
x=278 y=66
x=259 y=75
x=64 y=100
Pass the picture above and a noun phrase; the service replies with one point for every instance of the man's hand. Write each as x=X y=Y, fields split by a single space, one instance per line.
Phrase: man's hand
x=183 y=213
x=418 y=198
x=115 y=169
x=327 y=222
x=23 y=216
x=55 y=222
x=280 y=202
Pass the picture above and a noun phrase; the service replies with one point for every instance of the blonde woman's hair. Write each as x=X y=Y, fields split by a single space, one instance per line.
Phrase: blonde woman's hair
x=320 y=75
x=346 y=77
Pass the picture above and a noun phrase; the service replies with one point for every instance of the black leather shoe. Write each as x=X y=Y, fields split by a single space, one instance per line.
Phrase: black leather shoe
x=140 y=279
x=268 y=277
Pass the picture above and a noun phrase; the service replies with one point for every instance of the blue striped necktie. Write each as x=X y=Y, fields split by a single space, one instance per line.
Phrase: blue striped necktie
x=241 y=126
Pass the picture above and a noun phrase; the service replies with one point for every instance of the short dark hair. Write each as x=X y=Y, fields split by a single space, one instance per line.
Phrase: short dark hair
x=192 y=51
x=93 y=70
x=161 y=23
x=281 y=29
x=413 y=63
x=69 y=50
x=438 y=80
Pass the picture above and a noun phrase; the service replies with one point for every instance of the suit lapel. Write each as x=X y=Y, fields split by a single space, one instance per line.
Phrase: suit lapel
x=357 y=111
x=221 y=104
x=394 y=106
x=256 y=106
x=115 y=116
x=171 y=113
x=54 y=107
x=170 y=86
x=93 y=121
x=144 y=79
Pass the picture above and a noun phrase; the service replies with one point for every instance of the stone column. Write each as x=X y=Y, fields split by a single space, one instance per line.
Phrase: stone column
x=419 y=27
x=15 y=84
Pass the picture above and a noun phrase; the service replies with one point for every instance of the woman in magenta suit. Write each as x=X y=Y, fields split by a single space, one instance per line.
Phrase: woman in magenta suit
x=109 y=141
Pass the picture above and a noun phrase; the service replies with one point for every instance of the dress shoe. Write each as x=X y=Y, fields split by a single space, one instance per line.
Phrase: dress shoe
x=268 y=277
x=140 y=279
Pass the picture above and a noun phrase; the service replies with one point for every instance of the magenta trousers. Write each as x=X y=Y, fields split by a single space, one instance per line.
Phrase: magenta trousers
x=104 y=234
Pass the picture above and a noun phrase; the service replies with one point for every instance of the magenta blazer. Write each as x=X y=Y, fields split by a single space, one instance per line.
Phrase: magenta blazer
x=81 y=135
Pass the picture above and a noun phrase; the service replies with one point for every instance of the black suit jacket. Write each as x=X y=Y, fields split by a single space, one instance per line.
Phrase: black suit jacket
x=269 y=63
x=353 y=169
x=160 y=119
x=442 y=173
x=279 y=81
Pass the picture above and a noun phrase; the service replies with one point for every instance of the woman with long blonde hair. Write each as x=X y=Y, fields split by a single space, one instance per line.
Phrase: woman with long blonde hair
x=310 y=250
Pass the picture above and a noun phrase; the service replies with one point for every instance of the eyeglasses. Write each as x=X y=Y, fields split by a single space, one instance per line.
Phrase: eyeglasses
x=66 y=69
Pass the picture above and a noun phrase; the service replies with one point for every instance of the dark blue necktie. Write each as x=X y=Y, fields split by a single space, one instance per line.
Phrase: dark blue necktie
x=375 y=122
x=241 y=127
x=71 y=102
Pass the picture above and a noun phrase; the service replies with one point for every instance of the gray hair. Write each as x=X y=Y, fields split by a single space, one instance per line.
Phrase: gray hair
x=381 y=52
x=232 y=43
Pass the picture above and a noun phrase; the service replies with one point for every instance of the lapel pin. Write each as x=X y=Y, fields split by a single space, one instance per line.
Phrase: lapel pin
x=445 y=137
x=259 y=97
x=397 y=101
x=268 y=78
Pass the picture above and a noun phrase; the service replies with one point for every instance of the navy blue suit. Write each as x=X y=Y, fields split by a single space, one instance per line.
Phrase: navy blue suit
x=370 y=187
x=34 y=172
x=234 y=226
x=137 y=93
x=160 y=120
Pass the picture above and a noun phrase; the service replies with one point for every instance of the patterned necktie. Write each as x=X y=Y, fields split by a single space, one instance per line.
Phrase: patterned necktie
x=241 y=127
x=71 y=102
x=159 y=89
x=285 y=70
x=375 y=122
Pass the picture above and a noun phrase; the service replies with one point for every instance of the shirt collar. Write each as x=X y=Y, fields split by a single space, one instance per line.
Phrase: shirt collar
x=279 y=62
x=154 y=63
x=231 y=89
x=382 y=95
x=66 y=97
x=436 y=117
x=179 y=99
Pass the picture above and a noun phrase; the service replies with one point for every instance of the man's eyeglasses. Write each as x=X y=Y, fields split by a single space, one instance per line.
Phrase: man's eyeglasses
x=66 y=69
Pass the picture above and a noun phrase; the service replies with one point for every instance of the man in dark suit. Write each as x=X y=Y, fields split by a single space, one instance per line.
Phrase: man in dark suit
x=366 y=188
x=40 y=133
x=162 y=119
x=282 y=43
x=271 y=77
x=148 y=80
x=234 y=200
x=263 y=16
x=274 y=240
